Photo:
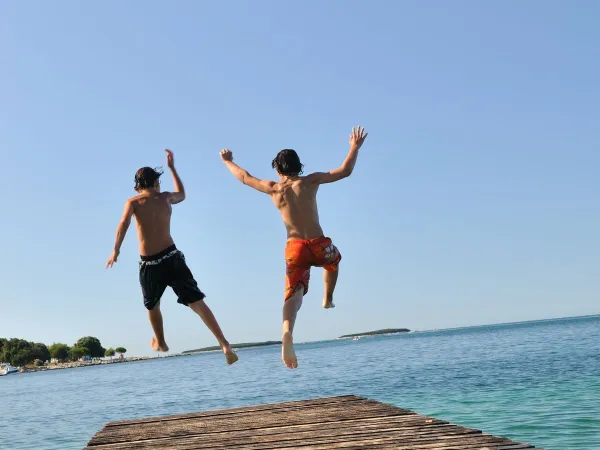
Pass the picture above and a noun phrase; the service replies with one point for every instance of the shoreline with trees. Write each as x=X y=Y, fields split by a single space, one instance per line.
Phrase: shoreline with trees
x=36 y=356
x=376 y=333
x=234 y=346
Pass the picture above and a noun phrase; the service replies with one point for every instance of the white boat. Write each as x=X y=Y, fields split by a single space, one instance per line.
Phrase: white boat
x=7 y=369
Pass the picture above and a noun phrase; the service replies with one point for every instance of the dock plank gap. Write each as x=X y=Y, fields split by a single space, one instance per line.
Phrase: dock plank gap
x=345 y=422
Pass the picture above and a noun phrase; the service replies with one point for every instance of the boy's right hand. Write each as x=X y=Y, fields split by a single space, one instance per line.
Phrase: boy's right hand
x=170 y=158
x=113 y=259
x=357 y=137
x=226 y=155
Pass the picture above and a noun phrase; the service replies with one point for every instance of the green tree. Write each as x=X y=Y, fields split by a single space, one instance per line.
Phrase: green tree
x=121 y=350
x=110 y=352
x=18 y=352
x=93 y=345
x=59 y=351
x=41 y=352
x=2 y=342
x=77 y=352
x=22 y=358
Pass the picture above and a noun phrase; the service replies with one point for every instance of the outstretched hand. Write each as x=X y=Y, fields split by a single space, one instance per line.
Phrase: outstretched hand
x=170 y=158
x=357 y=137
x=226 y=155
x=113 y=259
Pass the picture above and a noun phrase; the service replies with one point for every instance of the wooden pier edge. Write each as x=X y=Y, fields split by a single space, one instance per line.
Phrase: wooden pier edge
x=343 y=422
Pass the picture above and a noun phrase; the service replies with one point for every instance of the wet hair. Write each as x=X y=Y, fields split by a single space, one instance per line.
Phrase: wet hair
x=146 y=177
x=287 y=163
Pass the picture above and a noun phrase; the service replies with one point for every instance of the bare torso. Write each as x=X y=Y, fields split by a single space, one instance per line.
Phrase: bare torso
x=152 y=212
x=296 y=199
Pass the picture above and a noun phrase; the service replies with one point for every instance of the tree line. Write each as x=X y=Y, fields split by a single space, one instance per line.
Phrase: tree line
x=19 y=352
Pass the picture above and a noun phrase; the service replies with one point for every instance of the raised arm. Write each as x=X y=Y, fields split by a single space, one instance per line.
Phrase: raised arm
x=243 y=175
x=179 y=194
x=121 y=232
x=357 y=138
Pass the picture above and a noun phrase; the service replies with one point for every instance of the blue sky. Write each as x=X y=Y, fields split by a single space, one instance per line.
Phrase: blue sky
x=474 y=200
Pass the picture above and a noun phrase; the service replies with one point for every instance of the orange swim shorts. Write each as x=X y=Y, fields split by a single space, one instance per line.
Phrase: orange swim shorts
x=301 y=255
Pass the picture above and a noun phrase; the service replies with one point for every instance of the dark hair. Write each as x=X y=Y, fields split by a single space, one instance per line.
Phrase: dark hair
x=287 y=163
x=146 y=177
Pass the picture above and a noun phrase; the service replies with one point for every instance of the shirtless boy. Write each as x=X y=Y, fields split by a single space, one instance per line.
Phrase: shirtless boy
x=162 y=264
x=296 y=198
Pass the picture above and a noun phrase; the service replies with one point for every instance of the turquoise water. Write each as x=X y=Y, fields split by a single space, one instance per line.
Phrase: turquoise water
x=536 y=382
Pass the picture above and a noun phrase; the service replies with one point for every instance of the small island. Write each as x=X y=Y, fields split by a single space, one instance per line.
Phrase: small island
x=242 y=345
x=376 y=333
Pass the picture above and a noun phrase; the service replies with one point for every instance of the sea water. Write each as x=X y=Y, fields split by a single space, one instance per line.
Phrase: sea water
x=535 y=382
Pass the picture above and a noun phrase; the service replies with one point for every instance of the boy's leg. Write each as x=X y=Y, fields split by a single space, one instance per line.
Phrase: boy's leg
x=153 y=288
x=297 y=278
x=327 y=256
x=185 y=287
x=329 y=280
x=290 y=310
x=202 y=309
x=156 y=320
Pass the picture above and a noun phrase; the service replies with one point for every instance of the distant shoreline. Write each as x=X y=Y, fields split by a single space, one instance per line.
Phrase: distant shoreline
x=390 y=331
x=376 y=333
x=242 y=345
x=98 y=362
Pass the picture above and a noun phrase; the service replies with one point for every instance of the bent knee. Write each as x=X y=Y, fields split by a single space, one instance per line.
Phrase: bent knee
x=152 y=304
x=333 y=267
x=297 y=291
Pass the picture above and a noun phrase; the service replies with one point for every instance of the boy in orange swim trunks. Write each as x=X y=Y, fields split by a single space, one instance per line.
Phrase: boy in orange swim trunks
x=296 y=198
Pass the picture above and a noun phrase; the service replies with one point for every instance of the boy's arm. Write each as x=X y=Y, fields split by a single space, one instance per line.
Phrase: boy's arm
x=357 y=138
x=179 y=194
x=243 y=175
x=121 y=232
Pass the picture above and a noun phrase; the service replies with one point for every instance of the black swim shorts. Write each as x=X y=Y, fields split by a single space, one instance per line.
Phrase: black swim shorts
x=167 y=268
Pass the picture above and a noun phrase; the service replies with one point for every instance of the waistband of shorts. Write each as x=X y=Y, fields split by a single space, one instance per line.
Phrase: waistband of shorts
x=169 y=251
x=306 y=241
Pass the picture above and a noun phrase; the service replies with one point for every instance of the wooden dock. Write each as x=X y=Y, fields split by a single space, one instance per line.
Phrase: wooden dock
x=346 y=422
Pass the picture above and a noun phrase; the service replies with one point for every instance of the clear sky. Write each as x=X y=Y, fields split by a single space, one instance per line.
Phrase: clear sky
x=474 y=199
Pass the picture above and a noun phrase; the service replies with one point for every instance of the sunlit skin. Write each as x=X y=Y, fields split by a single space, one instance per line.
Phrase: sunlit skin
x=152 y=210
x=295 y=197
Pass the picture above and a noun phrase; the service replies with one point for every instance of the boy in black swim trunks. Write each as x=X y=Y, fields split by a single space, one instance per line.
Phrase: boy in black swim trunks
x=162 y=264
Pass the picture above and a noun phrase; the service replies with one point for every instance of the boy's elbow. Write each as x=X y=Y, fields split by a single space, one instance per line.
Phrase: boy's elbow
x=346 y=172
x=178 y=196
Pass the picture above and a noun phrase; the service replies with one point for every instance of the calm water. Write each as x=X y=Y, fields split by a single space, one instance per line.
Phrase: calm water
x=536 y=382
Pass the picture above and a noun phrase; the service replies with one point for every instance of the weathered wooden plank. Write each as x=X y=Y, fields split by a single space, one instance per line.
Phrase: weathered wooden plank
x=276 y=422
x=280 y=434
x=441 y=437
x=388 y=446
x=346 y=422
x=375 y=442
x=243 y=420
x=389 y=438
x=244 y=409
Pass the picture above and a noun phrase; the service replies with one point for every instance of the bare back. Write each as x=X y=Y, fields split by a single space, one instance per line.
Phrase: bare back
x=296 y=199
x=152 y=212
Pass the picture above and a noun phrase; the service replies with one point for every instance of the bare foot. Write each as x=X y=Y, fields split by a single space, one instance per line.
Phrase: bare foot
x=230 y=355
x=158 y=347
x=287 y=351
x=328 y=302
